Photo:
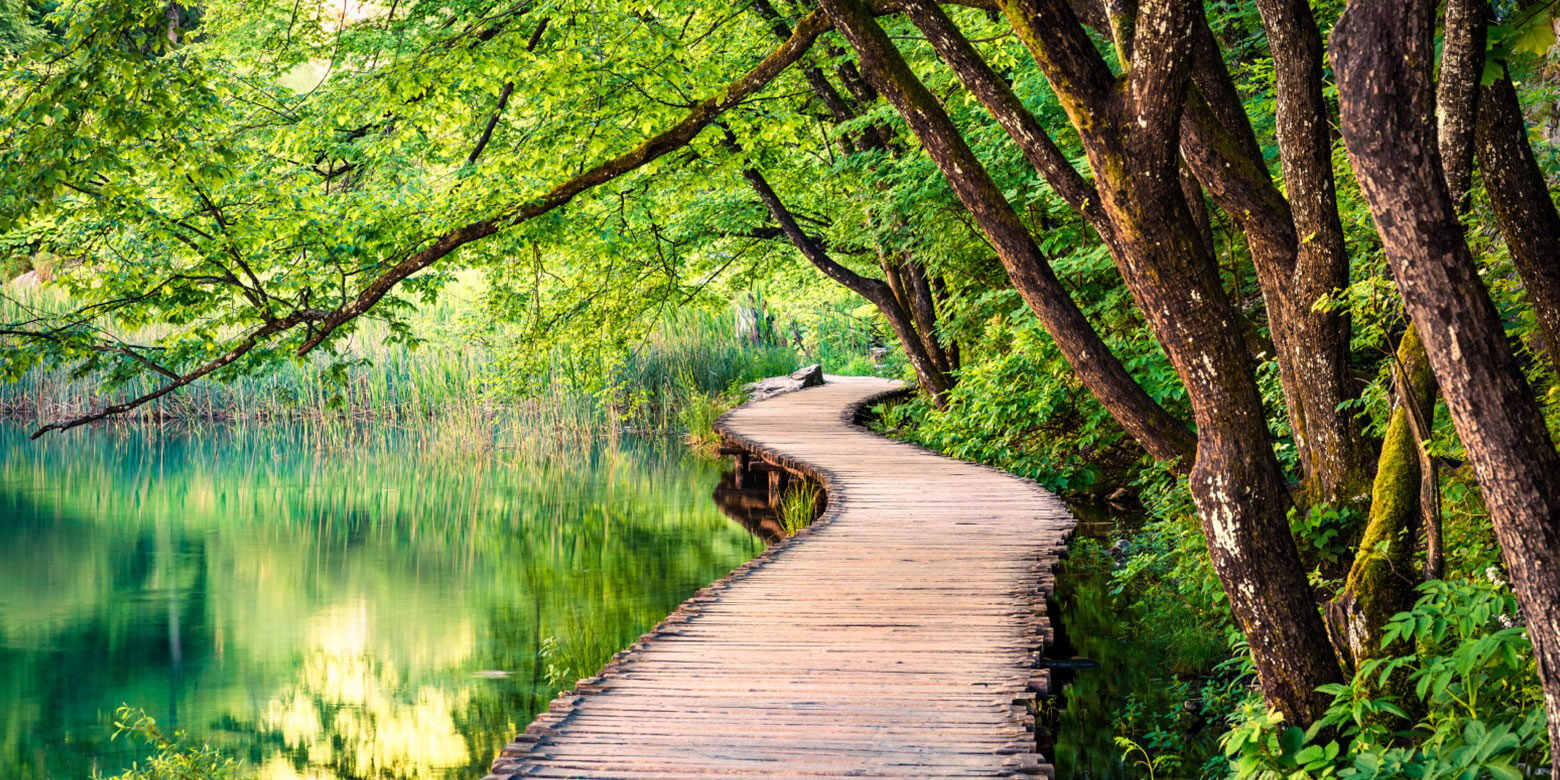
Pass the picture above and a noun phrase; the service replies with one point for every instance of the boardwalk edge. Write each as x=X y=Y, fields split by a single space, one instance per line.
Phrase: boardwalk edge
x=1022 y=758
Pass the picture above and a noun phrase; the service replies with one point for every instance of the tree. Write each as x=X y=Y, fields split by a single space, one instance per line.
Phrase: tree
x=255 y=291
x=1153 y=427
x=1383 y=54
x=1518 y=192
x=567 y=153
x=1129 y=133
x=905 y=295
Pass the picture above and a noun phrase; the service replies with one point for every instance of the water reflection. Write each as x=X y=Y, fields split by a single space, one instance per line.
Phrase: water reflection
x=750 y=492
x=1112 y=678
x=327 y=608
x=749 y=506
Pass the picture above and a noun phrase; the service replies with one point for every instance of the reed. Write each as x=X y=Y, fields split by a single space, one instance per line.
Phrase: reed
x=679 y=378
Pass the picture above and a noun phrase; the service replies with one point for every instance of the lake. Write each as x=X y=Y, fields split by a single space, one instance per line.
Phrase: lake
x=362 y=603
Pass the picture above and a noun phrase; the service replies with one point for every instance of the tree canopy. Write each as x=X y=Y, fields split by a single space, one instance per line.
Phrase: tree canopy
x=1254 y=244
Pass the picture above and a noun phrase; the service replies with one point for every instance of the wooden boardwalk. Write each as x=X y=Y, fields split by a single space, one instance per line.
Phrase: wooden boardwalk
x=899 y=636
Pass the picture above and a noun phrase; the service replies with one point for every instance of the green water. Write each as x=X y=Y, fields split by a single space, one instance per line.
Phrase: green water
x=378 y=606
x=1127 y=686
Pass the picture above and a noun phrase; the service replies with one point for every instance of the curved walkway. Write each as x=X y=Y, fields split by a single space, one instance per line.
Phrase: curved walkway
x=899 y=636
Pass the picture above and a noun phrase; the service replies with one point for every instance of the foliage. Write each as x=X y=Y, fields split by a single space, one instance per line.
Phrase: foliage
x=1141 y=758
x=171 y=759
x=679 y=377
x=193 y=178
x=1161 y=639
x=1471 y=706
x=798 y=506
x=1528 y=31
x=1052 y=432
x=1325 y=533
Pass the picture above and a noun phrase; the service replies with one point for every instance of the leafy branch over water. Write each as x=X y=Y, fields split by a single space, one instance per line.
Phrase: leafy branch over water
x=172 y=758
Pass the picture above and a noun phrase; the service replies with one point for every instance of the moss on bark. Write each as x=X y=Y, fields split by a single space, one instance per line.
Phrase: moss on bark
x=1381 y=581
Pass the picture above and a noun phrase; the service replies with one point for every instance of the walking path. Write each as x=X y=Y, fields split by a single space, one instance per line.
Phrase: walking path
x=898 y=636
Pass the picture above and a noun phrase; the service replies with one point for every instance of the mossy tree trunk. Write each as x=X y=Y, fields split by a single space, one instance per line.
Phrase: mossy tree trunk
x=1383 y=55
x=1405 y=496
x=1381 y=580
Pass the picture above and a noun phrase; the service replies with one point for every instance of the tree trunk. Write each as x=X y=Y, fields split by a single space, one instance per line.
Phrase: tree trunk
x=1457 y=93
x=1311 y=345
x=1192 y=189
x=1381 y=581
x=1028 y=268
x=1129 y=133
x=933 y=378
x=1330 y=445
x=1456 y=112
x=923 y=309
x=1522 y=205
x=1383 y=53
x=1004 y=105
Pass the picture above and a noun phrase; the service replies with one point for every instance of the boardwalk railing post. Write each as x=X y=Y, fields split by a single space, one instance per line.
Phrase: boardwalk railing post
x=776 y=486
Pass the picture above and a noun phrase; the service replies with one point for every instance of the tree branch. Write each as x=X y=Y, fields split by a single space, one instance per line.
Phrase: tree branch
x=251 y=341
x=807 y=31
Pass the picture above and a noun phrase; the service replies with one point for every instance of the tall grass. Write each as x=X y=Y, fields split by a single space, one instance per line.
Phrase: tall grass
x=799 y=506
x=680 y=377
x=691 y=369
x=853 y=341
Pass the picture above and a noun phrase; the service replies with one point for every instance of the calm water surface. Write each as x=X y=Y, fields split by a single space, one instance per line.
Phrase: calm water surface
x=381 y=607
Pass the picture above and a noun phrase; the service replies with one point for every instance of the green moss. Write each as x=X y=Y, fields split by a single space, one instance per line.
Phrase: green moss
x=1381 y=582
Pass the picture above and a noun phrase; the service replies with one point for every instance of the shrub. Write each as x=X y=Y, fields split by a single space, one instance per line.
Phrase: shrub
x=1471 y=706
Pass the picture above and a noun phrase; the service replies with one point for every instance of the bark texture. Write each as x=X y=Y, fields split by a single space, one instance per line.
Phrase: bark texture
x=1101 y=372
x=1296 y=243
x=1457 y=92
x=1128 y=128
x=1383 y=55
x=1522 y=205
x=1329 y=441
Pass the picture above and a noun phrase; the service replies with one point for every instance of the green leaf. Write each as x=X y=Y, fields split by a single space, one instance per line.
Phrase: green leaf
x=1309 y=753
x=1292 y=740
x=1536 y=36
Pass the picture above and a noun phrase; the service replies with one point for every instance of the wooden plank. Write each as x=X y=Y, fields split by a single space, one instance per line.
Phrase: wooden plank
x=899 y=636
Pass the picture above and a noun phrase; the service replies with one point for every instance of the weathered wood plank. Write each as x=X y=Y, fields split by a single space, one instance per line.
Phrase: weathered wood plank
x=899 y=636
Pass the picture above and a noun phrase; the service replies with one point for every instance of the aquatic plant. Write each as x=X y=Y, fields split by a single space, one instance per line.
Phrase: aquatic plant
x=680 y=377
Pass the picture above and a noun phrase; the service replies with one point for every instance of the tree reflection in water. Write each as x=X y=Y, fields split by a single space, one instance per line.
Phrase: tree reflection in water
x=328 y=607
